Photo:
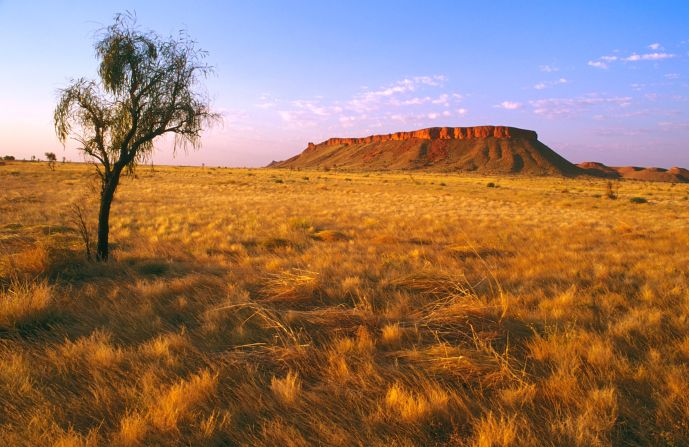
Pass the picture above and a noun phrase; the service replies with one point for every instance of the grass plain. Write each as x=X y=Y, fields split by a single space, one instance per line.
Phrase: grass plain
x=287 y=308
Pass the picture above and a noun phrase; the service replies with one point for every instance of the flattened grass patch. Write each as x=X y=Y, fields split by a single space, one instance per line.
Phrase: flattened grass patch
x=330 y=236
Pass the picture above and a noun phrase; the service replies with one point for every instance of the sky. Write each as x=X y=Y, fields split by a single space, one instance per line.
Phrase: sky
x=605 y=80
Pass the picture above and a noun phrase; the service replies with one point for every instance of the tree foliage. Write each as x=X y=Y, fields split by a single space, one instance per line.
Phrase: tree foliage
x=52 y=158
x=147 y=87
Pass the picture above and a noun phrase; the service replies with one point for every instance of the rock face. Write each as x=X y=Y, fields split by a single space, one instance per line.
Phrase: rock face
x=487 y=149
x=439 y=133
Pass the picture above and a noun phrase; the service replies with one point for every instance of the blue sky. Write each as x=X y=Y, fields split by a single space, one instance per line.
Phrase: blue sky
x=604 y=81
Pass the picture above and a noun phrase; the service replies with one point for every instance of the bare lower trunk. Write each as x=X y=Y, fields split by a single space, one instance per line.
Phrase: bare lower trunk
x=107 y=194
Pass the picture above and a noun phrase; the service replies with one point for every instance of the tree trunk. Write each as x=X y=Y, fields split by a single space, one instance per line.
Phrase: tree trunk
x=107 y=194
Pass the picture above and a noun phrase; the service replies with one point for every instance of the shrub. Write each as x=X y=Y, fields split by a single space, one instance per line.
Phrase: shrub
x=611 y=190
x=299 y=223
x=52 y=158
x=490 y=185
x=638 y=200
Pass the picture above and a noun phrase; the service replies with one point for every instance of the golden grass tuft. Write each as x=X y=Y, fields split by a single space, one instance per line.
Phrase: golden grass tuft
x=287 y=389
x=391 y=334
x=179 y=400
x=294 y=285
x=133 y=428
x=496 y=431
x=24 y=303
x=32 y=261
x=415 y=407
x=597 y=418
x=97 y=351
x=410 y=407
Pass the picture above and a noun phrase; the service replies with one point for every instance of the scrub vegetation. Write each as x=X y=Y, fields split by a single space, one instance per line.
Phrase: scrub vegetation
x=288 y=308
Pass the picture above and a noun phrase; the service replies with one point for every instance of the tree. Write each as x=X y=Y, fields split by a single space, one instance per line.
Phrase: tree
x=52 y=158
x=147 y=87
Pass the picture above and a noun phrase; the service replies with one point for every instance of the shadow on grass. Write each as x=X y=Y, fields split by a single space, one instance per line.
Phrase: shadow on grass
x=69 y=267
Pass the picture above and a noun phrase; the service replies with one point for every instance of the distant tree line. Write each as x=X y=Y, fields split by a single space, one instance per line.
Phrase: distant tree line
x=49 y=156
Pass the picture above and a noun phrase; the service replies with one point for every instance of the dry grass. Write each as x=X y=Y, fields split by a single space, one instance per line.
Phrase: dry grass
x=24 y=303
x=349 y=309
x=286 y=389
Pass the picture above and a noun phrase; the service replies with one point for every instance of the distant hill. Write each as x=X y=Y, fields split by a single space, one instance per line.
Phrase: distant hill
x=482 y=149
x=675 y=174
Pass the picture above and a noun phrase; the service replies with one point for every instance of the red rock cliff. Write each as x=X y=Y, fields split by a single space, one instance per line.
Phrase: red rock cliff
x=438 y=133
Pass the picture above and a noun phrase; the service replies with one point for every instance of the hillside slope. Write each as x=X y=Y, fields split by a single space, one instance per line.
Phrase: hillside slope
x=485 y=149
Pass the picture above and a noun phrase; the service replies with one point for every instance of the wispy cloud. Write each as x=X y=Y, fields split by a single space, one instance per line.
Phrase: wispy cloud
x=371 y=99
x=412 y=100
x=316 y=108
x=615 y=114
x=233 y=120
x=347 y=121
x=548 y=68
x=558 y=107
x=266 y=101
x=421 y=119
x=649 y=57
x=443 y=100
x=509 y=105
x=296 y=118
x=605 y=61
x=547 y=84
x=617 y=132
x=598 y=64
x=670 y=125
